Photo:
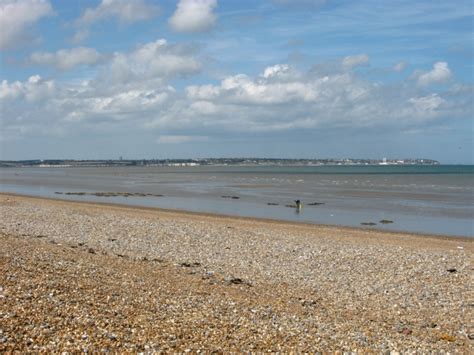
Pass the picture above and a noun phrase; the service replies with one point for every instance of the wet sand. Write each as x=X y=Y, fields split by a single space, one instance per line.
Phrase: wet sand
x=78 y=276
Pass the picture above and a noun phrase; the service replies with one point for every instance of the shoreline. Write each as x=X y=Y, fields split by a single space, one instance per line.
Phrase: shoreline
x=245 y=218
x=77 y=276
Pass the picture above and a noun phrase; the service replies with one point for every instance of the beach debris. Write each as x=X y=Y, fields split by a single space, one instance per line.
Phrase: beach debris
x=307 y=303
x=272 y=204
x=236 y=281
x=315 y=203
x=91 y=251
x=186 y=264
x=40 y=236
x=368 y=224
x=452 y=270
x=112 y=239
x=232 y=197
x=385 y=221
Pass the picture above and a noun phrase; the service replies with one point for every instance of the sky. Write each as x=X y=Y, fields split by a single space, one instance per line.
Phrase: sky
x=145 y=79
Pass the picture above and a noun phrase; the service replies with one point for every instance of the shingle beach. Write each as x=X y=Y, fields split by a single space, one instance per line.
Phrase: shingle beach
x=80 y=276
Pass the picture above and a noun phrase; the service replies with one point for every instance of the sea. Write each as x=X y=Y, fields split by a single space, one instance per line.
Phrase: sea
x=426 y=199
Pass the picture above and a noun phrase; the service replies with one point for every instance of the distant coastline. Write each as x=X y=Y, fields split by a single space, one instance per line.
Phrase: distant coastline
x=46 y=163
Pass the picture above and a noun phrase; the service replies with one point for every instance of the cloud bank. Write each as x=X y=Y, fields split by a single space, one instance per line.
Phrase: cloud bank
x=134 y=89
x=66 y=59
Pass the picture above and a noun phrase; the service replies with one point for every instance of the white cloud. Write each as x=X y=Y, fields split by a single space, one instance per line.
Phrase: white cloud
x=34 y=89
x=66 y=59
x=124 y=10
x=304 y=100
x=135 y=94
x=124 y=105
x=353 y=61
x=170 y=139
x=275 y=70
x=426 y=106
x=194 y=16
x=16 y=17
x=152 y=60
x=439 y=74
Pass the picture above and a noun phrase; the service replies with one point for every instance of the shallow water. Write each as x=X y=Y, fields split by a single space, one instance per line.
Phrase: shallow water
x=427 y=199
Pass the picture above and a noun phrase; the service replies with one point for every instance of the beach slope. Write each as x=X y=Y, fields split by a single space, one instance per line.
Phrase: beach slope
x=83 y=276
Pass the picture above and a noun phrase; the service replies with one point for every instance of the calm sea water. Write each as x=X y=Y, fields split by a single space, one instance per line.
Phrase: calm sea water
x=424 y=199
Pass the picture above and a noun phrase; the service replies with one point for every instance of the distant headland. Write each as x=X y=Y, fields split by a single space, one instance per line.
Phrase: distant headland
x=52 y=163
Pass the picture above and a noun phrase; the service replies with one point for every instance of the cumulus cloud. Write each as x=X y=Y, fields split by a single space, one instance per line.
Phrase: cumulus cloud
x=138 y=95
x=194 y=16
x=170 y=139
x=34 y=89
x=353 y=61
x=121 y=106
x=16 y=17
x=124 y=10
x=66 y=59
x=157 y=59
x=426 y=106
x=308 y=100
x=275 y=70
x=438 y=75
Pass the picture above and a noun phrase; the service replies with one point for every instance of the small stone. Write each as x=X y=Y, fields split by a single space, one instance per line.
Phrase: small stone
x=90 y=250
x=405 y=331
x=447 y=337
x=452 y=270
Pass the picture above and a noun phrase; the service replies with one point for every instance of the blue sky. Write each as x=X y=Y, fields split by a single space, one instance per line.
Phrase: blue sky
x=209 y=78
